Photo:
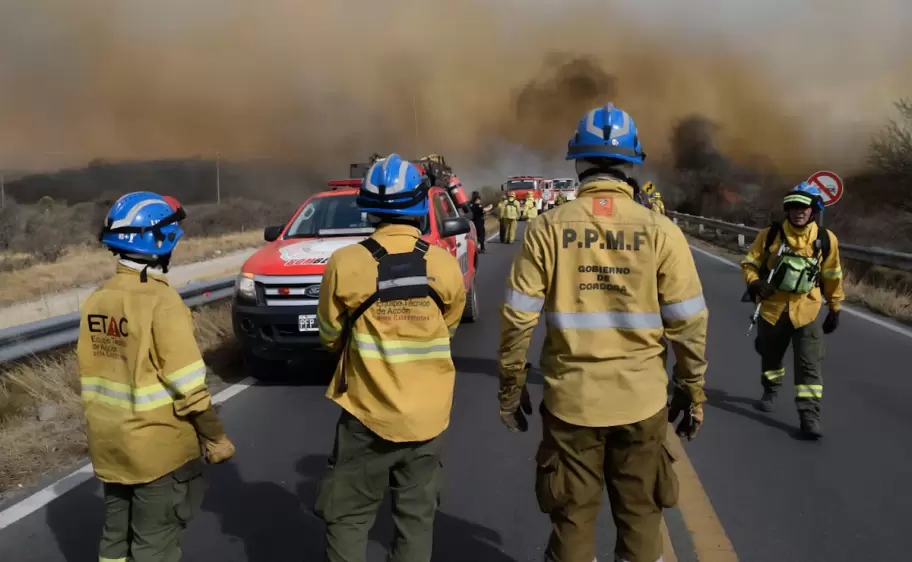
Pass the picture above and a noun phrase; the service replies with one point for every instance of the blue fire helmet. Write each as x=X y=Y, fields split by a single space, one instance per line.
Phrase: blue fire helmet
x=606 y=132
x=804 y=195
x=143 y=223
x=394 y=186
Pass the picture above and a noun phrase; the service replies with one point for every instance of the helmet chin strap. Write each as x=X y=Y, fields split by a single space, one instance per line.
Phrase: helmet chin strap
x=155 y=262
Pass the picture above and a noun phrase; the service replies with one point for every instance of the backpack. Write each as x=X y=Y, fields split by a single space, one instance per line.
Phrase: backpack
x=399 y=277
x=776 y=230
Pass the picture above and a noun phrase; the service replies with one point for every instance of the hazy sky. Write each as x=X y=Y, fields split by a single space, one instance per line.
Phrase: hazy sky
x=804 y=81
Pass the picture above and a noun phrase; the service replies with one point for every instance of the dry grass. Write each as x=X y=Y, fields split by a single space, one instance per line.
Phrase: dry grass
x=890 y=303
x=30 y=448
x=82 y=265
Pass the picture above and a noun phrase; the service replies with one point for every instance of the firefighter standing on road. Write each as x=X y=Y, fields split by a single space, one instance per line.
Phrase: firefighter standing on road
x=511 y=212
x=613 y=278
x=792 y=301
x=389 y=305
x=144 y=389
x=501 y=219
x=531 y=211
x=658 y=205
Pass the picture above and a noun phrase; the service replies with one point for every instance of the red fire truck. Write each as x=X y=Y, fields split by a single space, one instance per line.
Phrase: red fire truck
x=524 y=186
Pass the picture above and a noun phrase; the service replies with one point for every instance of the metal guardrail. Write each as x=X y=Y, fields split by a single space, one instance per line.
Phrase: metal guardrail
x=18 y=342
x=872 y=255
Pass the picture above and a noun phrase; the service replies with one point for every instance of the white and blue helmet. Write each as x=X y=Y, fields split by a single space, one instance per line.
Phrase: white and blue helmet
x=606 y=132
x=143 y=223
x=394 y=186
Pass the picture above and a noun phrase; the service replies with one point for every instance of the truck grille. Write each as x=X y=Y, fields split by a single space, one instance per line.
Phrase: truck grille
x=288 y=290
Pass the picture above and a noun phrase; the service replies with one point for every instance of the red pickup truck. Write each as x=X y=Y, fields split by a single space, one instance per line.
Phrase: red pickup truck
x=276 y=294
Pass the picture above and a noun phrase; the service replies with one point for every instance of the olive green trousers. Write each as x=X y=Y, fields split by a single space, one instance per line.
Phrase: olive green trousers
x=363 y=466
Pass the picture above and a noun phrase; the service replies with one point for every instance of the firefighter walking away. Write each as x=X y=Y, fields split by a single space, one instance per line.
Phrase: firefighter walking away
x=613 y=279
x=803 y=257
x=148 y=411
x=389 y=305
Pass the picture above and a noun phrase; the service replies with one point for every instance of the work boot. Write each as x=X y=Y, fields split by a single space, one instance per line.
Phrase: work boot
x=766 y=403
x=810 y=428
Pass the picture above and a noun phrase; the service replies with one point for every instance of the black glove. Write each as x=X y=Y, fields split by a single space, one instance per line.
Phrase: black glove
x=693 y=414
x=831 y=322
x=761 y=288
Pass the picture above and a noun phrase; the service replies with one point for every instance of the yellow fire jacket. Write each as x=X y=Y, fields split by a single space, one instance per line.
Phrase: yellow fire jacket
x=530 y=209
x=613 y=278
x=511 y=209
x=397 y=365
x=657 y=205
x=802 y=308
x=142 y=374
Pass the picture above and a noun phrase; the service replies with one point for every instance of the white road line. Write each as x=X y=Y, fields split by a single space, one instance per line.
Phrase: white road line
x=50 y=493
x=850 y=309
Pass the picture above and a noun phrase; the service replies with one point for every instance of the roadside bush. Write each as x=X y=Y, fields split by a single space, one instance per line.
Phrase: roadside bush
x=45 y=230
x=891 y=149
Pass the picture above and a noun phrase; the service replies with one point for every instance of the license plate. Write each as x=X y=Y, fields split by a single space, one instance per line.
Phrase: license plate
x=307 y=323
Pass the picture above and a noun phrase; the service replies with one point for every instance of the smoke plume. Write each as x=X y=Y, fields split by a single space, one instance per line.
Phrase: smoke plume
x=490 y=84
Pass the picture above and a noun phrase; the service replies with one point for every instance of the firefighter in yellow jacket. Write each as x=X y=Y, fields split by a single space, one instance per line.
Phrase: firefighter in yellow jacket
x=791 y=301
x=613 y=279
x=531 y=209
x=658 y=205
x=511 y=212
x=147 y=408
x=390 y=306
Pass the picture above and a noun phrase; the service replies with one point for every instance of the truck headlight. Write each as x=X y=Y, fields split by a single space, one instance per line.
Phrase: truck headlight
x=244 y=287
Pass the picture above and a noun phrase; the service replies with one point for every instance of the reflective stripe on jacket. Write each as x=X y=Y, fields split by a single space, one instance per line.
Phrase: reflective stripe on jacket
x=142 y=375
x=613 y=278
x=398 y=367
x=803 y=308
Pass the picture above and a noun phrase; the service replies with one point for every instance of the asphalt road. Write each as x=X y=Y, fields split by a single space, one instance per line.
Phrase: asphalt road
x=844 y=498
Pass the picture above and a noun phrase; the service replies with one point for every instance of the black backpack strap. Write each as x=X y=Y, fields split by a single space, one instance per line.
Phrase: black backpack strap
x=774 y=231
x=824 y=244
x=377 y=251
x=422 y=246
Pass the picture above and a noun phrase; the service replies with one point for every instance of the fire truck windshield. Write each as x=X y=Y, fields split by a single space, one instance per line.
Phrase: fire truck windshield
x=519 y=184
x=562 y=184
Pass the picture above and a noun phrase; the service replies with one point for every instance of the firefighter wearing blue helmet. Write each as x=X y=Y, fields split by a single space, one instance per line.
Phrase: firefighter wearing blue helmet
x=804 y=260
x=389 y=306
x=148 y=411
x=614 y=281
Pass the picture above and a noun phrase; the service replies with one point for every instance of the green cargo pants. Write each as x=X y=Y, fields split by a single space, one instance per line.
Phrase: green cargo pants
x=574 y=465
x=808 y=350
x=362 y=467
x=146 y=522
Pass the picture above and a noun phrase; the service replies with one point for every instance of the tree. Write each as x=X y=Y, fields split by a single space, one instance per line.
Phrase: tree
x=891 y=149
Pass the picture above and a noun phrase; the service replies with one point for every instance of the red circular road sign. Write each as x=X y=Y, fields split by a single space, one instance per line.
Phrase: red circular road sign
x=830 y=185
